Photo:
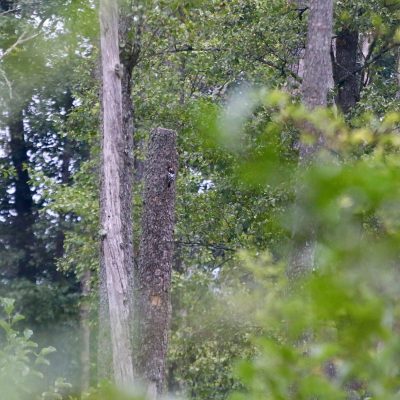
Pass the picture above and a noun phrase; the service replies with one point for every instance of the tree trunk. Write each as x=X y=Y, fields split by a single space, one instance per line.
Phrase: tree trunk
x=104 y=352
x=156 y=255
x=317 y=65
x=345 y=63
x=315 y=86
x=25 y=218
x=115 y=246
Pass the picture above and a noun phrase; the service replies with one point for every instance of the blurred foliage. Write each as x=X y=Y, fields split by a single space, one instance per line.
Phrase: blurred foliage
x=22 y=361
x=210 y=69
x=52 y=312
x=335 y=333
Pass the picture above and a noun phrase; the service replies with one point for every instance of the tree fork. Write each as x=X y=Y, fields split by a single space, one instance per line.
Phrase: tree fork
x=156 y=256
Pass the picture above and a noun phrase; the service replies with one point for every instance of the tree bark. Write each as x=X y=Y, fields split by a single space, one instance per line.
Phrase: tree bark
x=347 y=82
x=156 y=255
x=315 y=86
x=115 y=246
x=104 y=352
x=317 y=65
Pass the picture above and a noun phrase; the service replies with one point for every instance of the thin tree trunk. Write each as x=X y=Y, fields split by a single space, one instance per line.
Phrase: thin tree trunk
x=156 y=255
x=115 y=246
x=25 y=217
x=65 y=175
x=345 y=63
x=315 y=86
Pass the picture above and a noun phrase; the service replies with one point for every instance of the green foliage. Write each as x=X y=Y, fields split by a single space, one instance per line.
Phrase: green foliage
x=334 y=333
x=51 y=311
x=21 y=360
x=203 y=70
x=207 y=335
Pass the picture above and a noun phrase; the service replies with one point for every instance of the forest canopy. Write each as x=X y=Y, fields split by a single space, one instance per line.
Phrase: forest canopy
x=199 y=199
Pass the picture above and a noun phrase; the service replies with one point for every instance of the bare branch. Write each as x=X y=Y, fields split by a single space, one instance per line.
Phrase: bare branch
x=13 y=10
x=23 y=38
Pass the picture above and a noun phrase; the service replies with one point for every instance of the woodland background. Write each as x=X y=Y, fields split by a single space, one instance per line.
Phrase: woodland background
x=229 y=78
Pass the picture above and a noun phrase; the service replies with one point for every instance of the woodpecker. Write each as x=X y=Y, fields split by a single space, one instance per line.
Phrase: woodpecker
x=170 y=176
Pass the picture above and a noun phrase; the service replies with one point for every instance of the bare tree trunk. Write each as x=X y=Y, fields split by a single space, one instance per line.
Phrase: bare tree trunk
x=347 y=82
x=104 y=353
x=315 y=86
x=129 y=54
x=115 y=246
x=156 y=255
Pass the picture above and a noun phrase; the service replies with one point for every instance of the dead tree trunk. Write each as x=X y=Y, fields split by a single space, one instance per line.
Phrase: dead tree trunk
x=115 y=245
x=315 y=86
x=156 y=255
